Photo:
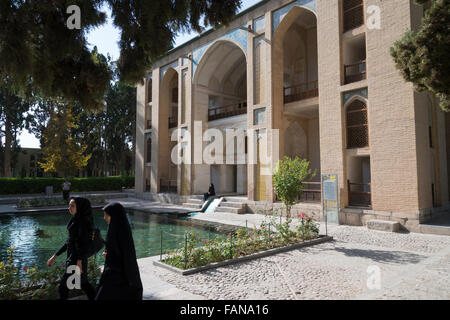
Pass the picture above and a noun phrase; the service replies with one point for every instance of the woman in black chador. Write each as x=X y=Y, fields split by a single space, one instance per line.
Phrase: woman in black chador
x=120 y=278
x=211 y=192
x=79 y=228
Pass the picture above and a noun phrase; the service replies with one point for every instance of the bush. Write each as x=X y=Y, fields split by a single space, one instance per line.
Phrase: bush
x=242 y=242
x=288 y=180
x=37 y=185
x=35 y=284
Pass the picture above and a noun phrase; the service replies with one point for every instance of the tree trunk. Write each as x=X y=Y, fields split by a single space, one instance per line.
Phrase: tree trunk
x=8 y=140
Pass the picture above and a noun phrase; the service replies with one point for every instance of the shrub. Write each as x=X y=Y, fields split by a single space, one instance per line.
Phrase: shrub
x=288 y=180
x=268 y=235
x=37 y=185
x=35 y=284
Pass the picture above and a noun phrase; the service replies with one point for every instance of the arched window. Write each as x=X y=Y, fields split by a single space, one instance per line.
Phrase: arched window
x=149 y=90
x=357 y=128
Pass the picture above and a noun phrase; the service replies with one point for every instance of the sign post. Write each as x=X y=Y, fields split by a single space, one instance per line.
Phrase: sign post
x=330 y=199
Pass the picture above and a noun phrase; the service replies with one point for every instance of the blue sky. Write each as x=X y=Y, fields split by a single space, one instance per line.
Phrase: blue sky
x=106 y=38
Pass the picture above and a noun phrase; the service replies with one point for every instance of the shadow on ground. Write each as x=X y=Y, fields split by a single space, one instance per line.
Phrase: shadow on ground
x=386 y=256
x=395 y=257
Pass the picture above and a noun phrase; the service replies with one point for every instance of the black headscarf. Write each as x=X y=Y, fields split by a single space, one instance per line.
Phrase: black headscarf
x=119 y=221
x=211 y=190
x=84 y=212
x=119 y=236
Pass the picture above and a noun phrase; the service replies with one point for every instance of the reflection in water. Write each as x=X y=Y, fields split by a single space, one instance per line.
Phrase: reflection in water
x=37 y=237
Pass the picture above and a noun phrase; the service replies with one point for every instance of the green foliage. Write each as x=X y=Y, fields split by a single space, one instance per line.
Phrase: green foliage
x=37 y=185
x=120 y=120
x=39 y=55
x=308 y=229
x=34 y=284
x=62 y=152
x=422 y=56
x=13 y=120
x=288 y=180
x=270 y=234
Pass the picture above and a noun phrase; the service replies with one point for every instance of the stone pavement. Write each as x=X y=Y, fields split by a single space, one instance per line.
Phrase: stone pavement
x=409 y=265
x=358 y=264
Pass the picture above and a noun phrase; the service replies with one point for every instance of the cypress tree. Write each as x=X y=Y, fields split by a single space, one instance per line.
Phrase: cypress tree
x=423 y=57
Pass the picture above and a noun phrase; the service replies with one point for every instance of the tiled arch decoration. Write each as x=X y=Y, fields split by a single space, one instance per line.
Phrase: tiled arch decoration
x=173 y=65
x=361 y=92
x=236 y=35
x=278 y=15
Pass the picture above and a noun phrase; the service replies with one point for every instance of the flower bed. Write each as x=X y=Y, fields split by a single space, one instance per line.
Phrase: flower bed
x=269 y=238
x=34 y=284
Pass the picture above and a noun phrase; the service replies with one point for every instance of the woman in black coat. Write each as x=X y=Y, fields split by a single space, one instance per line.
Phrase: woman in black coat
x=80 y=229
x=211 y=192
x=120 y=279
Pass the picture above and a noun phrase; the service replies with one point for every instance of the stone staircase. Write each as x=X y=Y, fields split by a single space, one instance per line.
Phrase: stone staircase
x=195 y=203
x=233 y=204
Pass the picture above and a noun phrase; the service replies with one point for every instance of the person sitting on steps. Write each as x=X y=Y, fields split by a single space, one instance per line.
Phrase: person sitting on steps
x=211 y=192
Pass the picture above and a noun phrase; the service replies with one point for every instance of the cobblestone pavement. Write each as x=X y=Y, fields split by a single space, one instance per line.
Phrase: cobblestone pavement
x=411 y=266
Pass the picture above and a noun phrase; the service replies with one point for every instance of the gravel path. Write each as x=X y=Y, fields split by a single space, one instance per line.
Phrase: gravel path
x=411 y=266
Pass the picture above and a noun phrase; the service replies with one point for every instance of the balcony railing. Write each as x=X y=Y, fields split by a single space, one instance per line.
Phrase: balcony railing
x=355 y=72
x=359 y=194
x=168 y=186
x=301 y=91
x=227 y=111
x=353 y=14
x=173 y=122
x=312 y=192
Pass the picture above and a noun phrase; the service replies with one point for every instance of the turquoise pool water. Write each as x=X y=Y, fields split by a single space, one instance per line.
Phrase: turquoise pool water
x=38 y=236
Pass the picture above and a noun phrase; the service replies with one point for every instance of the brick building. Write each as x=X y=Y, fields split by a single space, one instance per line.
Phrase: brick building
x=320 y=72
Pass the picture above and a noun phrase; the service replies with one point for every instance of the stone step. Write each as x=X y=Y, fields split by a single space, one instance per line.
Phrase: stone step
x=382 y=225
x=192 y=206
x=235 y=199
x=232 y=204
x=434 y=229
x=230 y=210
x=195 y=201
x=197 y=196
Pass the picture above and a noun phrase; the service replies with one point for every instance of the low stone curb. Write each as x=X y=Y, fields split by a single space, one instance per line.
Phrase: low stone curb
x=44 y=209
x=252 y=256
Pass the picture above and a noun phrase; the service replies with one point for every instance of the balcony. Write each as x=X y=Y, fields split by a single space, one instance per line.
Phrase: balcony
x=227 y=111
x=353 y=14
x=359 y=194
x=312 y=193
x=148 y=124
x=301 y=91
x=355 y=72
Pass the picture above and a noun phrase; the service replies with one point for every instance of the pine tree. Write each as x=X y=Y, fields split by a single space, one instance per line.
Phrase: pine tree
x=423 y=57
x=40 y=55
